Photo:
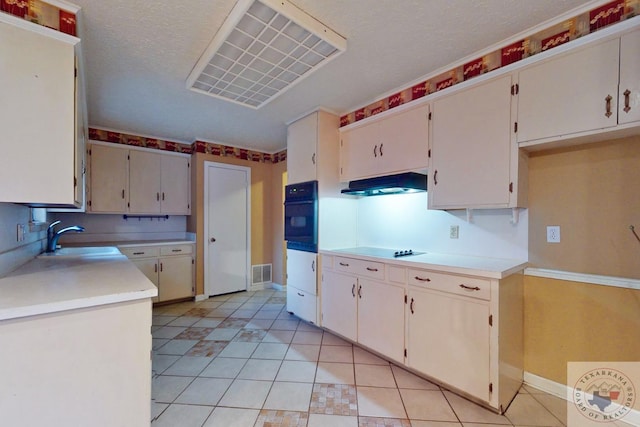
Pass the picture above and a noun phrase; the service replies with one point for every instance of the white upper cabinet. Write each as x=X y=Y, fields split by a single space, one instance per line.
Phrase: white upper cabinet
x=629 y=88
x=144 y=182
x=38 y=115
x=302 y=138
x=394 y=144
x=473 y=161
x=312 y=150
x=138 y=182
x=108 y=179
x=175 y=179
x=587 y=94
x=571 y=93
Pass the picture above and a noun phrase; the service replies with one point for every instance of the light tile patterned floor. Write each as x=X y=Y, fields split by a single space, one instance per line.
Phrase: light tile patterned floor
x=241 y=360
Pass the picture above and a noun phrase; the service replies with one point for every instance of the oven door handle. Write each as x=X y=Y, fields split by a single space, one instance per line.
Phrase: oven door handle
x=301 y=202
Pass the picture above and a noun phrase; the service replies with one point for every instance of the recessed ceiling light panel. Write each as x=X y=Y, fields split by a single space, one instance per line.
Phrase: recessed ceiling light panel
x=262 y=49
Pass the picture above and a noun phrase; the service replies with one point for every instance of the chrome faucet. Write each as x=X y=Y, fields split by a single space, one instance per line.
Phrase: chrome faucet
x=53 y=236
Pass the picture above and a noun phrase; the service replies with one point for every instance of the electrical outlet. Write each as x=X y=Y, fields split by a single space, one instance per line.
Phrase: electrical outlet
x=553 y=234
x=454 y=231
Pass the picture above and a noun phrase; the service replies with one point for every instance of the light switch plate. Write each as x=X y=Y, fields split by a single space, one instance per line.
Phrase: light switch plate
x=553 y=234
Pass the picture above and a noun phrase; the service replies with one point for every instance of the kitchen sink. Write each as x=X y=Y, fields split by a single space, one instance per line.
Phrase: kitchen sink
x=84 y=251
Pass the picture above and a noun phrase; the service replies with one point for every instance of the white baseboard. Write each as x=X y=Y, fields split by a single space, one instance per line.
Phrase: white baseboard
x=201 y=297
x=278 y=287
x=565 y=392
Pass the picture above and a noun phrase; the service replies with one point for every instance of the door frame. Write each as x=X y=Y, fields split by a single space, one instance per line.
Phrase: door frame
x=247 y=170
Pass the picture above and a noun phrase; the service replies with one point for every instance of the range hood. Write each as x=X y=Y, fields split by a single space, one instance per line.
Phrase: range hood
x=410 y=182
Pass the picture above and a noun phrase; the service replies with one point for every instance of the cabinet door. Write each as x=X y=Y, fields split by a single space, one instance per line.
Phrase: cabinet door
x=108 y=179
x=471 y=147
x=301 y=270
x=149 y=267
x=381 y=318
x=339 y=304
x=569 y=93
x=144 y=182
x=359 y=152
x=449 y=340
x=302 y=304
x=302 y=137
x=404 y=141
x=36 y=118
x=176 y=278
x=629 y=96
x=175 y=183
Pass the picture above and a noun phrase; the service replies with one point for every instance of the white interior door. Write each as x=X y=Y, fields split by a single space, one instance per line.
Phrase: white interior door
x=227 y=228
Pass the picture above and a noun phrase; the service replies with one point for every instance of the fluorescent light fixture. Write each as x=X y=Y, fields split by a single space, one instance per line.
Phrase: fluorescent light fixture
x=263 y=48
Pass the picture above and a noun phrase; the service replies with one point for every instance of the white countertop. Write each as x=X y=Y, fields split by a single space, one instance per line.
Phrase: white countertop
x=49 y=285
x=494 y=268
x=133 y=243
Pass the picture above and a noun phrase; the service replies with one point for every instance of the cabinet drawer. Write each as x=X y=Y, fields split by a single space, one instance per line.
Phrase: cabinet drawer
x=176 y=250
x=461 y=285
x=374 y=270
x=302 y=304
x=140 y=251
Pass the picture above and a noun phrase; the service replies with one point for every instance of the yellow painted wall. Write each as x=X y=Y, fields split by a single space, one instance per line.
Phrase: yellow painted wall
x=279 y=249
x=264 y=224
x=593 y=193
x=568 y=321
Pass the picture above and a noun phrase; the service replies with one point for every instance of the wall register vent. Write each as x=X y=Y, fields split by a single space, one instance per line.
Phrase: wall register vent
x=261 y=274
x=263 y=48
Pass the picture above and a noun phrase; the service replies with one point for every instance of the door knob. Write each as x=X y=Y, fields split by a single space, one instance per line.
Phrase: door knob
x=213 y=239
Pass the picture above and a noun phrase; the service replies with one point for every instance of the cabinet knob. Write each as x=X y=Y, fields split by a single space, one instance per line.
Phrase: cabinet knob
x=213 y=239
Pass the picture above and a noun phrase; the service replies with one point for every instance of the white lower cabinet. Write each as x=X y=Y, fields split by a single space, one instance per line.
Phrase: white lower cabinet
x=448 y=339
x=302 y=284
x=462 y=331
x=340 y=304
x=366 y=311
x=381 y=318
x=169 y=267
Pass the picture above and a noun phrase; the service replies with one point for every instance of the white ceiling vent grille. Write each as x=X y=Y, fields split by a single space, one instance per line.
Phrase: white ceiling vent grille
x=263 y=48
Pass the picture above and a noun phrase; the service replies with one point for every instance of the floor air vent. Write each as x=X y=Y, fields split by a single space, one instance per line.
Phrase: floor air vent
x=261 y=274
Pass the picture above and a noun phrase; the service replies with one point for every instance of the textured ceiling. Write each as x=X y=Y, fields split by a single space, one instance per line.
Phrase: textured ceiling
x=138 y=54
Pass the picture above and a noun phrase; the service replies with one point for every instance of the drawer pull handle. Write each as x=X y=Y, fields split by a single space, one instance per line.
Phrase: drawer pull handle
x=353 y=290
x=608 y=100
x=313 y=266
x=176 y=250
x=627 y=107
x=371 y=269
x=422 y=279
x=469 y=288
x=138 y=253
x=360 y=291
x=161 y=268
x=155 y=268
x=300 y=295
x=411 y=305
x=344 y=264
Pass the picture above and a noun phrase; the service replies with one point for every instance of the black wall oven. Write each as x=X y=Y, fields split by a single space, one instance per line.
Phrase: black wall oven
x=301 y=216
